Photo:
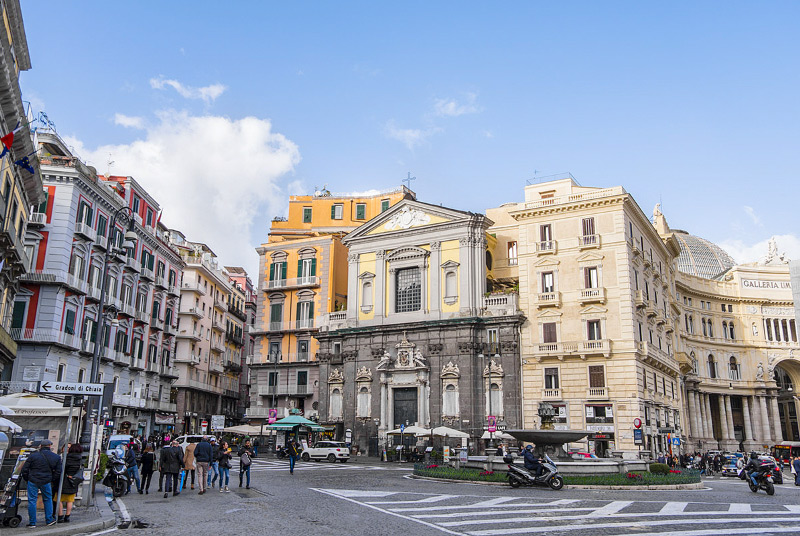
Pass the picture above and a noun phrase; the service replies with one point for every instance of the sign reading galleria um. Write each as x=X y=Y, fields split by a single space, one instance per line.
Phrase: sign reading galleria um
x=769 y=285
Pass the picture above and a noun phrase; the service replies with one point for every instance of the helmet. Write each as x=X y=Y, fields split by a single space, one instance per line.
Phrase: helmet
x=528 y=447
x=754 y=454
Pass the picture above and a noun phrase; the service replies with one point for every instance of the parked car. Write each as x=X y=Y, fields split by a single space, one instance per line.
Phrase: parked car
x=730 y=467
x=327 y=450
x=185 y=440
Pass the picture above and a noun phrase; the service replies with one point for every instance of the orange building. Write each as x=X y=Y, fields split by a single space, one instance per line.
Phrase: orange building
x=303 y=276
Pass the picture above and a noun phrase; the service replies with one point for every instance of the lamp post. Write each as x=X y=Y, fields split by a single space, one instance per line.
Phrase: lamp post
x=125 y=214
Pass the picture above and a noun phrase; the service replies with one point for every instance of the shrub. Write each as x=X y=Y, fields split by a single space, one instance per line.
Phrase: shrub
x=634 y=479
x=659 y=468
x=101 y=470
x=451 y=473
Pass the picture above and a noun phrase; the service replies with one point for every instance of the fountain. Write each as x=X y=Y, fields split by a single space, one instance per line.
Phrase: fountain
x=546 y=440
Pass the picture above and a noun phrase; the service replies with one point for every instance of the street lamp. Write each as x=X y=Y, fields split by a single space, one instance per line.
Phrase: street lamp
x=125 y=214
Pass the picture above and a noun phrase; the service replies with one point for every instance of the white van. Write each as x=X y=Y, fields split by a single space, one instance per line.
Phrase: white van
x=115 y=443
x=185 y=440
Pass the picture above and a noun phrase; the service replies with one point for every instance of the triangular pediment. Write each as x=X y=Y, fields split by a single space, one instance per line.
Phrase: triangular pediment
x=593 y=309
x=549 y=314
x=547 y=262
x=450 y=264
x=589 y=256
x=405 y=215
x=366 y=275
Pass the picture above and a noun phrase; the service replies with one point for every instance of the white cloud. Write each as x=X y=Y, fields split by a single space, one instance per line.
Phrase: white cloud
x=128 y=121
x=453 y=108
x=211 y=175
x=410 y=137
x=743 y=252
x=207 y=94
x=753 y=216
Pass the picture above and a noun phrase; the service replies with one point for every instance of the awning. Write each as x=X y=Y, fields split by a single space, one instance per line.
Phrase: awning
x=5 y=424
x=28 y=405
x=410 y=430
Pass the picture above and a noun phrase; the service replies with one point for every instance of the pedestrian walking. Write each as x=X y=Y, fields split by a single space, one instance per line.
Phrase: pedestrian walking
x=245 y=460
x=133 y=468
x=40 y=470
x=73 y=476
x=796 y=467
x=188 y=461
x=293 y=452
x=203 y=455
x=148 y=463
x=224 y=460
x=213 y=467
x=171 y=462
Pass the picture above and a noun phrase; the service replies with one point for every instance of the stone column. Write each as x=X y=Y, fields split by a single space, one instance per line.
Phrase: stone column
x=748 y=427
x=352 y=287
x=731 y=431
x=698 y=420
x=436 y=289
x=776 y=419
x=379 y=288
x=692 y=420
x=707 y=422
x=762 y=403
x=723 y=419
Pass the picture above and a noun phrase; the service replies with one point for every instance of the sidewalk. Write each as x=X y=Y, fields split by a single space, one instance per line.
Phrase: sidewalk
x=83 y=520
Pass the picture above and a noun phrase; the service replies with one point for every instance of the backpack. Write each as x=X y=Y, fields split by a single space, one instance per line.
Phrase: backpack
x=246 y=461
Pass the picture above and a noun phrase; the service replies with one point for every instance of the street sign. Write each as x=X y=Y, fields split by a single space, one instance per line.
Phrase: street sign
x=402 y=428
x=273 y=415
x=676 y=441
x=61 y=388
x=204 y=426
x=217 y=422
x=666 y=431
x=638 y=439
x=492 y=420
x=637 y=422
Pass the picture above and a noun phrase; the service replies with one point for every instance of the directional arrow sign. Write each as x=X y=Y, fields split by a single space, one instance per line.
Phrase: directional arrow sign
x=61 y=388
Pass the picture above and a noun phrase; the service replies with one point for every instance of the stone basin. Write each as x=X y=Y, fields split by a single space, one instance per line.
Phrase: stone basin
x=550 y=442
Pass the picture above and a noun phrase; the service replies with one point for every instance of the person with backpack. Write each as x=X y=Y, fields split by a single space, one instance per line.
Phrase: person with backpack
x=293 y=452
x=40 y=470
x=245 y=460
x=224 y=457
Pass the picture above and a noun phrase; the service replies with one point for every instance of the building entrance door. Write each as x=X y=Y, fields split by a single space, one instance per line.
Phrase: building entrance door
x=405 y=406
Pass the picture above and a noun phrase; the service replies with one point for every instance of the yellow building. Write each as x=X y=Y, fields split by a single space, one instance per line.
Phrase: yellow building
x=302 y=276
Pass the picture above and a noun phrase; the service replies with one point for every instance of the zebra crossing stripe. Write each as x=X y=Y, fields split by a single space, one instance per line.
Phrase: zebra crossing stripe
x=611 y=508
x=673 y=508
x=499 y=513
x=478 y=505
x=435 y=498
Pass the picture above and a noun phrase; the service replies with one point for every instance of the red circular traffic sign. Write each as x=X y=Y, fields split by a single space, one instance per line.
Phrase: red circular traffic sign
x=637 y=422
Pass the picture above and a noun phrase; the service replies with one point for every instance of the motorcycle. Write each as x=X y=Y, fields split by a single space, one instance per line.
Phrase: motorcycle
x=764 y=479
x=117 y=476
x=519 y=476
x=281 y=452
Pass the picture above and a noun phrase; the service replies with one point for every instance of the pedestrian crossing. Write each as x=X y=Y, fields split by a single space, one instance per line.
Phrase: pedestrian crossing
x=300 y=466
x=471 y=515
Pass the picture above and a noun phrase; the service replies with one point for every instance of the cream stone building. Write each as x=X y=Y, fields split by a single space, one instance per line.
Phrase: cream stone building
x=631 y=322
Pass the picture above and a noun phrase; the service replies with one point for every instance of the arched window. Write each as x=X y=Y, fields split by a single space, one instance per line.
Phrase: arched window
x=705 y=330
x=450 y=401
x=731 y=333
x=336 y=404
x=710 y=328
x=363 y=402
x=724 y=329
x=734 y=373
x=712 y=367
x=496 y=395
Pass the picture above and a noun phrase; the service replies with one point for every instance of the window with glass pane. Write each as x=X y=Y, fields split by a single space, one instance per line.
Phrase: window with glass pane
x=548 y=282
x=593 y=330
x=545 y=232
x=588 y=226
x=274 y=351
x=361 y=211
x=512 y=253
x=337 y=211
x=384 y=205
x=590 y=277
x=302 y=350
x=302 y=377
x=492 y=337
x=273 y=379
x=597 y=376
x=551 y=378
x=306 y=214
x=408 y=295
x=549 y=332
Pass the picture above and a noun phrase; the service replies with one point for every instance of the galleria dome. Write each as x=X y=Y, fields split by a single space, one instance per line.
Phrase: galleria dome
x=700 y=257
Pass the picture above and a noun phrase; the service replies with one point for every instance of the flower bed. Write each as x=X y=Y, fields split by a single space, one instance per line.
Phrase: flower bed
x=451 y=473
x=635 y=479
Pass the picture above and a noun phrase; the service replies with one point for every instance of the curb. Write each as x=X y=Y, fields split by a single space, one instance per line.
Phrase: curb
x=106 y=521
x=697 y=485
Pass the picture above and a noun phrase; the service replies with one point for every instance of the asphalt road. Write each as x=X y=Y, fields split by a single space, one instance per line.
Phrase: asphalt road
x=356 y=499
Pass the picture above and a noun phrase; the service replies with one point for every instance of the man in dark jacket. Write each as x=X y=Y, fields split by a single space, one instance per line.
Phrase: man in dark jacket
x=203 y=455
x=532 y=462
x=40 y=470
x=133 y=468
x=245 y=459
x=213 y=467
x=171 y=461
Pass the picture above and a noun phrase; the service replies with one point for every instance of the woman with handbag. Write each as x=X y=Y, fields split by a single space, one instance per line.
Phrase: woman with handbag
x=224 y=458
x=73 y=476
x=148 y=468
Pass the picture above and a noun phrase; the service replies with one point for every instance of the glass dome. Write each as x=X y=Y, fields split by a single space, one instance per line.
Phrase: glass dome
x=702 y=258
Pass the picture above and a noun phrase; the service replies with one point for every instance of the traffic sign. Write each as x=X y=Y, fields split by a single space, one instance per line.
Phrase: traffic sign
x=402 y=428
x=676 y=441
x=61 y=388
x=637 y=422
x=204 y=426
x=637 y=437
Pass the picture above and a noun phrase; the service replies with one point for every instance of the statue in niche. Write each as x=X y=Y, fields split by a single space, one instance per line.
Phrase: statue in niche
x=760 y=372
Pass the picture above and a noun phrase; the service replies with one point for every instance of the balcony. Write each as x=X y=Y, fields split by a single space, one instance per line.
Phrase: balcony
x=215 y=367
x=238 y=313
x=593 y=295
x=168 y=407
x=101 y=242
x=217 y=346
x=93 y=293
x=221 y=305
x=653 y=355
x=87 y=347
x=137 y=363
x=597 y=393
x=638 y=298
x=661 y=317
x=217 y=326
x=147 y=274
x=193 y=287
x=122 y=359
x=544 y=247
x=548 y=299
x=153 y=366
x=194 y=311
x=578 y=348
x=37 y=219
x=116 y=303
x=292 y=282
x=498 y=304
x=132 y=264
x=168 y=373
x=56 y=277
x=48 y=336
x=161 y=281
x=108 y=355
x=551 y=394
x=191 y=359
x=650 y=309
x=232 y=367
x=121 y=400
x=142 y=316
x=589 y=241
x=86 y=231
x=157 y=324
x=173 y=290
x=285 y=390
x=335 y=321
x=170 y=329
x=263 y=413
x=195 y=384
x=127 y=310
x=295 y=325
x=191 y=335
x=238 y=340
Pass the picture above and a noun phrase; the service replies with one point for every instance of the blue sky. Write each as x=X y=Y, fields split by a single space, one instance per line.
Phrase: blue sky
x=693 y=104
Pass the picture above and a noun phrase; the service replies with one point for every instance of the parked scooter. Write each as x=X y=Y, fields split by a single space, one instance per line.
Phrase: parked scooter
x=117 y=476
x=281 y=452
x=519 y=476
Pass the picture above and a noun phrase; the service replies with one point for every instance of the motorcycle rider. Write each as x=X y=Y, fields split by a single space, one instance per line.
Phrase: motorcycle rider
x=753 y=467
x=532 y=462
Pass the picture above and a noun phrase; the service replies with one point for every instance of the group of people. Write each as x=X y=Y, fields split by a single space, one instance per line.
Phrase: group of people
x=43 y=473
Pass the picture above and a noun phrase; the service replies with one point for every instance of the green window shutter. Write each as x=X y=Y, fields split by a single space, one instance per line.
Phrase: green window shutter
x=313 y=267
x=89 y=217
x=93 y=336
x=272 y=272
x=300 y=268
x=69 y=322
x=361 y=211
x=311 y=310
x=141 y=347
x=18 y=316
x=333 y=212
x=384 y=205
x=298 y=311
x=43 y=204
x=275 y=313
x=283 y=269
